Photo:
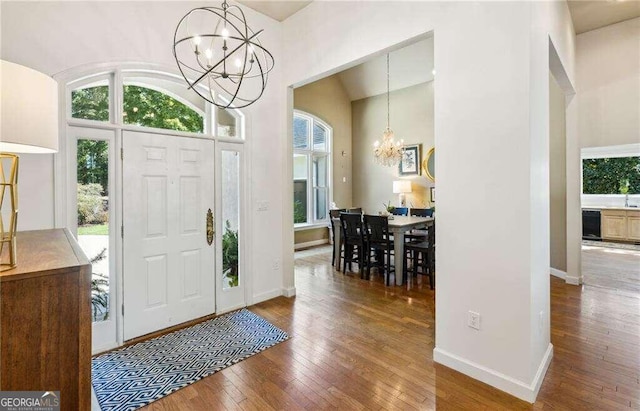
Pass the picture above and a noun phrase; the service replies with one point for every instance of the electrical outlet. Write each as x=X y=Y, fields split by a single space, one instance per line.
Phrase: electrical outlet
x=344 y=179
x=263 y=205
x=276 y=264
x=473 y=320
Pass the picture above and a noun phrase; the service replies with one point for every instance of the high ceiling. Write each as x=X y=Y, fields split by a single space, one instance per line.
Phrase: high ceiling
x=592 y=14
x=586 y=14
x=279 y=10
x=408 y=66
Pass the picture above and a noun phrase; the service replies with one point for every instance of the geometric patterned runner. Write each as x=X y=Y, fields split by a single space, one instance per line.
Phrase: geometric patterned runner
x=134 y=376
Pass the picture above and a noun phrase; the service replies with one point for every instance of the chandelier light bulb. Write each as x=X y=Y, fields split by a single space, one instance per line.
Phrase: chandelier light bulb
x=197 y=40
x=225 y=33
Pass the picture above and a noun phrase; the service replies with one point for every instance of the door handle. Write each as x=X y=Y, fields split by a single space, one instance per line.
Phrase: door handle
x=210 y=231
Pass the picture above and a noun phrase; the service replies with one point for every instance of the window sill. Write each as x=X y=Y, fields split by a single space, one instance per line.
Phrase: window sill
x=306 y=226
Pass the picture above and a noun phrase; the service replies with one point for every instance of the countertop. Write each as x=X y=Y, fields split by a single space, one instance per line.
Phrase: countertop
x=611 y=208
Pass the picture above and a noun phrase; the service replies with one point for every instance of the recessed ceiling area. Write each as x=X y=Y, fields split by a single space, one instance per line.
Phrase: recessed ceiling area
x=278 y=10
x=593 y=14
x=408 y=66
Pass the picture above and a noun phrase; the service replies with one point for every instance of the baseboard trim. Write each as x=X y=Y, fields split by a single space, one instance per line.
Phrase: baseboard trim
x=519 y=389
x=542 y=371
x=289 y=292
x=557 y=273
x=308 y=244
x=258 y=298
x=573 y=280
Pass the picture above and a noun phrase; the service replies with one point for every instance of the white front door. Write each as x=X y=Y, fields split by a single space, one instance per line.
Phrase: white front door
x=169 y=272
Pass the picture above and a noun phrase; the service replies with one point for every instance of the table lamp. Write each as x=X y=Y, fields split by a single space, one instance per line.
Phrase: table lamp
x=28 y=124
x=402 y=187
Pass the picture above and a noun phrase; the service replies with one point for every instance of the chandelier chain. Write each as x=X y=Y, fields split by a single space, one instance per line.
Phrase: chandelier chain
x=388 y=110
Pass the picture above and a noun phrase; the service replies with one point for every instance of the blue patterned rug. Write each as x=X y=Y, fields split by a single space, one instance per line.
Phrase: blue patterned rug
x=134 y=376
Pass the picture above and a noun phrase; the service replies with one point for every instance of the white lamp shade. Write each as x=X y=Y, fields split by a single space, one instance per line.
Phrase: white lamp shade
x=29 y=110
x=401 y=186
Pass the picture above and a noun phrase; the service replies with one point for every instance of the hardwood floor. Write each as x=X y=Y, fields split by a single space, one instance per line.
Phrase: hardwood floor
x=342 y=353
x=611 y=268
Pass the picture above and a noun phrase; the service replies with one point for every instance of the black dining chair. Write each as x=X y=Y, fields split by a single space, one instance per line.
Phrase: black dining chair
x=400 y=211
x=380 y=245
x=353 y=242
x=357 y=210
x=334 y=214
x=421 y=212
x=423 y=256
x=418 y=235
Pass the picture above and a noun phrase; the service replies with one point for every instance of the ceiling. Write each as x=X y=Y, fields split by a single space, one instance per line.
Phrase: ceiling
x=408 y=66
x=279 y=10
x=593 y=14
x=586 y=14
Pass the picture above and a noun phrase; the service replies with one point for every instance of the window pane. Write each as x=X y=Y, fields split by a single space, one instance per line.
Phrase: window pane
x=611 y=175
x=300 y=133
x=227 y=123
x=151 y=108
x=230 y=218
x=319 y=137
x=93 y=219
x=300 y=167
x=300 y=188
x=320 y=199
x=320 y=171
x=91 y=103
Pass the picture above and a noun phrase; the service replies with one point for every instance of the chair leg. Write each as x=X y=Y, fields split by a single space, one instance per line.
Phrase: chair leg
x=344 y=260
x=333 y=255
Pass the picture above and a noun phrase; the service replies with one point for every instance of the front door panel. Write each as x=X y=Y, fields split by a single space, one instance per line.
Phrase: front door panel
x=169 y=273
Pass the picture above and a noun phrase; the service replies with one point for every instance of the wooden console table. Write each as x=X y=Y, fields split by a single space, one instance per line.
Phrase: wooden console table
x=45 y=319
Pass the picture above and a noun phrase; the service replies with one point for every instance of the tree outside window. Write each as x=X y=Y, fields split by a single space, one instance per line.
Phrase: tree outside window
x=614 y=175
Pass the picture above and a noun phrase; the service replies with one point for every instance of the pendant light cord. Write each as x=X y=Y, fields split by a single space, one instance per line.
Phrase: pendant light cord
x=388 y=110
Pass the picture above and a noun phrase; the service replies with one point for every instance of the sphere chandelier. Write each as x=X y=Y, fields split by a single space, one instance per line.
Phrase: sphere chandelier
x=221 y=57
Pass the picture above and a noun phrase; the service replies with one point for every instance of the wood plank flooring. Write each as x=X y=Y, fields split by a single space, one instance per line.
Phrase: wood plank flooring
x=611 y=268
x=342 y=354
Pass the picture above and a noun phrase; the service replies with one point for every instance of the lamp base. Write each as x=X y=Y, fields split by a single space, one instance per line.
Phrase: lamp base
x=402 y=199
x=8 y=209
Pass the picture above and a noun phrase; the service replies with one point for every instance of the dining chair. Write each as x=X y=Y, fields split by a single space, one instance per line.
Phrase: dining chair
x=357 y=210
x=422 y=254
x=421 y=212
x=353 y=241
x=334 y=214
x=380 y=245
x=417 y=235
x=400 y=211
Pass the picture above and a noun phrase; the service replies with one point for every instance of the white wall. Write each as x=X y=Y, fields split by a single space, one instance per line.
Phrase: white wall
x=491 y=119
x=608 y=74
x=56 y=36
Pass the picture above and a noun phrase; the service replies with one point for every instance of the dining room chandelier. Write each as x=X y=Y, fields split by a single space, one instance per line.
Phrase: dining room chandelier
x=389 y=152
x=221 y=57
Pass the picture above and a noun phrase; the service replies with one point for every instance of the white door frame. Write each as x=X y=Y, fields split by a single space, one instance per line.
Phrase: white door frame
x=65 y=161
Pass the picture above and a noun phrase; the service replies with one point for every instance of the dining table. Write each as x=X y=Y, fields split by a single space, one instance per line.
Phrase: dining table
x=398 y=226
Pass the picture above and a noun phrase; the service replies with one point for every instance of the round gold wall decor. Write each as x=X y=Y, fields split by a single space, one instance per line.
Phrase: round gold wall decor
x=429 y=165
